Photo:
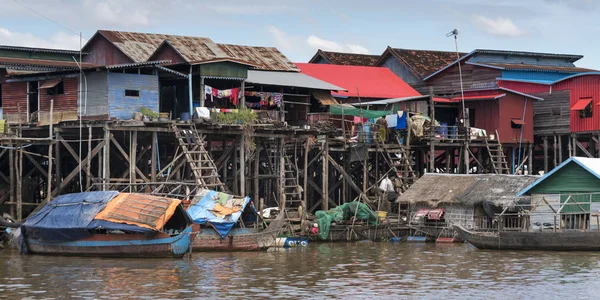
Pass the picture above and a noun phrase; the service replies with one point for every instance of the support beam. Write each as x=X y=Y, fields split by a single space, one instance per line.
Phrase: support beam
x=126 y=156
x=11 y=163
x=74 y=172
x=305 y=178
x=106 y=159
x=585 y=151
x=88 y=178
x=560 y=154
x=554 y=148
x=50 y=152
x=256 y=179
x=282 y=183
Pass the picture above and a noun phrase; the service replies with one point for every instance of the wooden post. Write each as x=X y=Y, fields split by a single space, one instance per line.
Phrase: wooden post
x=560 y=156
x=569 y=140
x=132 y=158
x=202 y=94
x=530 y=167
x=545 y=154
x=50 y=129
x=256 y=173
x=554 y=146
x=11 y=163
x=19 y=164
x=325 y=176
x=432 y=132
x=243 y=94
x=243 y=166
x=153 y=158
x=106 y=158
x=236 y=185
x=466 y=155
x=448 y=161
x=282 y=183
x=88 y=166
x=57 y=161
x=305 y=184
x=574 y=144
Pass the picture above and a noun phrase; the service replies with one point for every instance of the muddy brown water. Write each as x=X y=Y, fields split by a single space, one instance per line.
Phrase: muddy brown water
x=320 y=271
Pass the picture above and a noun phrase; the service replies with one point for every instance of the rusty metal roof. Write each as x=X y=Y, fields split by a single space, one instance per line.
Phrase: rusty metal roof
x=42 y=63
x=47 y=50
x=348 y=59
x=141 y=46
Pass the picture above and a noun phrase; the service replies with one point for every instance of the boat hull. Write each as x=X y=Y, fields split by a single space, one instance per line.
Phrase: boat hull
x=237 y=240
x=549 y=241
x=127 y=245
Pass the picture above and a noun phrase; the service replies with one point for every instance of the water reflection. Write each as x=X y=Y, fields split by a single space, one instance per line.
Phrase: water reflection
x=325 y=271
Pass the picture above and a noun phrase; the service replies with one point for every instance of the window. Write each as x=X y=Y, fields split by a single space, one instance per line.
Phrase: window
x=587 y=111
x=58 y=89
x=556 y=111
x=132 y=93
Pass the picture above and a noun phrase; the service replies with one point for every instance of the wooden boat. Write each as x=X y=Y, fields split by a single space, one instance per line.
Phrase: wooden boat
x=238 y=239
x=107 y=224
x=542 y=240
x=217 y=213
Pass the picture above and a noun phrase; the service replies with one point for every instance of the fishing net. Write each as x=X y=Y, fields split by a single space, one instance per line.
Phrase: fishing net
x=343 y=213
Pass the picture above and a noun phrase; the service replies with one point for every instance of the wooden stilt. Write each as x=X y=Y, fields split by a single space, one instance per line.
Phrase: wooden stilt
x=560 y=155
x=281 y=169
x=153 y=158
x=530 y=155
x=256 y=173
x=545 y=154
x=132 y=158
x=13 y=175
x=57 y=161
x=88 y=177
x=325 y=176
x=554 y=146
x=19 y=164
x=243 y=166
x=236 y=184
x=50 y=152
x=305 y=178
x=106 y=159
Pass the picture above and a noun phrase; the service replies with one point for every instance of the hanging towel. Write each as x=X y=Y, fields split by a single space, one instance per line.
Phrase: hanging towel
x=401 y=120
x=392 y=120
x=234 y=96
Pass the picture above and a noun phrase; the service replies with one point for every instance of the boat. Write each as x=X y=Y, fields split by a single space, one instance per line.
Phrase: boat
x=567 y=240
x=107 y=224
x=218 y=213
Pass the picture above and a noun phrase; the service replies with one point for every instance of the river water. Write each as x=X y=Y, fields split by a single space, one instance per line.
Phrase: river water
x=320 y=271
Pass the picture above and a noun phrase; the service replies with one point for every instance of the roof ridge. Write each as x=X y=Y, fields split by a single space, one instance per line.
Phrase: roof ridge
x=425 y=50
x=157 y=34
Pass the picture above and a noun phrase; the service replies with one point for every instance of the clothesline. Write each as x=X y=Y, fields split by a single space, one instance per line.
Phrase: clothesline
x=233 y=94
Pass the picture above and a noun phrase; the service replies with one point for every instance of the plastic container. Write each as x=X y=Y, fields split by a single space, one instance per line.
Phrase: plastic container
x=381 y=215
x=185 y=116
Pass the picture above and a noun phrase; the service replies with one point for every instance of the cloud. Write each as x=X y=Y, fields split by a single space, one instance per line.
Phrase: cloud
x=502 y=27
x=250 y=9
x=316 y=42
x=122 y=13
x=59 y=40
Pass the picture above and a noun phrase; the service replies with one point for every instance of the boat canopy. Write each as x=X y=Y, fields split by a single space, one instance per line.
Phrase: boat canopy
x=219 y=210
x=75 y=216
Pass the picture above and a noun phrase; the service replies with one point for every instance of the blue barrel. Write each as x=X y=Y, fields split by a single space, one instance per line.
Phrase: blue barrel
x=185 y=116
x=443 y=130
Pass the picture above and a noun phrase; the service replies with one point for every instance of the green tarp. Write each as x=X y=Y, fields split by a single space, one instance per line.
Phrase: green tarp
x=353 y=111
x=343 y=213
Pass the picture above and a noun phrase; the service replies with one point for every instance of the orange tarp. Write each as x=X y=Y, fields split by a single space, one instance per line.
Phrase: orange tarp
x=142 y=210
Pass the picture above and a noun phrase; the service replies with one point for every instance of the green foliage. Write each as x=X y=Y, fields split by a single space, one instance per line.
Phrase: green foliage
x=148 y=112
x=242 y=116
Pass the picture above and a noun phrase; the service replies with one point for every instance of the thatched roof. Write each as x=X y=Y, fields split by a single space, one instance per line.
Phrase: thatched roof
x=438 y=189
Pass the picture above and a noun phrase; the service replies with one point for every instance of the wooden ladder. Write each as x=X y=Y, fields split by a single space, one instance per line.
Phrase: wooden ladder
x=497 y=157
x=199 y=160
x=293 y=191
x=402 y=165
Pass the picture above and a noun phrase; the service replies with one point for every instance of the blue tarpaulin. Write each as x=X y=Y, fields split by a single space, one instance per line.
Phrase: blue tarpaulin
x=71 y=217
x=219 y=210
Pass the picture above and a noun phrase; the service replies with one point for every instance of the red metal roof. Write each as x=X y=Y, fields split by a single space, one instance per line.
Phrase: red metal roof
x=581 y=104
x=371 y=82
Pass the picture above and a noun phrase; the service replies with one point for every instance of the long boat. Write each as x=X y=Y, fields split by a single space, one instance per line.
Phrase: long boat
x=107 y=224
x=571 y=240
x=218 y=213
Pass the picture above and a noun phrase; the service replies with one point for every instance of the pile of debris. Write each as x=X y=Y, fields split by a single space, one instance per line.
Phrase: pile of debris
x=324 y=126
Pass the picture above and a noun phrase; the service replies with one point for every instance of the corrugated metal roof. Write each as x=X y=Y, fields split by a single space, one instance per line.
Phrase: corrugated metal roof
x=289 y=79
x=140 y=64
x=367 y=82
x=55 y=64
x=391 y=101
x=591 y=165
x=140 y=47
x=570 y=57
x=425 y=62
x=46 y=50
x=527 y=67
x=346 y=59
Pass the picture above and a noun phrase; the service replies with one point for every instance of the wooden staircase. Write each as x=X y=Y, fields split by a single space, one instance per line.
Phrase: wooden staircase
x=400 y=160
x=498 y=162
x=200 y=162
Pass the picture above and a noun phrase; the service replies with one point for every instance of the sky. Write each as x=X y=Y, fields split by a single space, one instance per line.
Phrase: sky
x=299 y=28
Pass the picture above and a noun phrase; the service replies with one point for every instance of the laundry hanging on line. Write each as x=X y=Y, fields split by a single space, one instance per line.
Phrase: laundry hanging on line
x=233 y=94
x=267 y=98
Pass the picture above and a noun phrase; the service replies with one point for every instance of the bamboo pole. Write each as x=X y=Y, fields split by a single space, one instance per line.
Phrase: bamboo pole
x=88 y=180
x=325 y=176
x=282 y=183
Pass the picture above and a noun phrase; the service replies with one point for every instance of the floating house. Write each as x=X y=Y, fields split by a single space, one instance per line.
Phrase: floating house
x=568 y=197
x=468 y=200
x=343 y=59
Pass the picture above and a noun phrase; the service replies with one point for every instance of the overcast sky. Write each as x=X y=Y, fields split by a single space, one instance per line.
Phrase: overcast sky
x=299 y=28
